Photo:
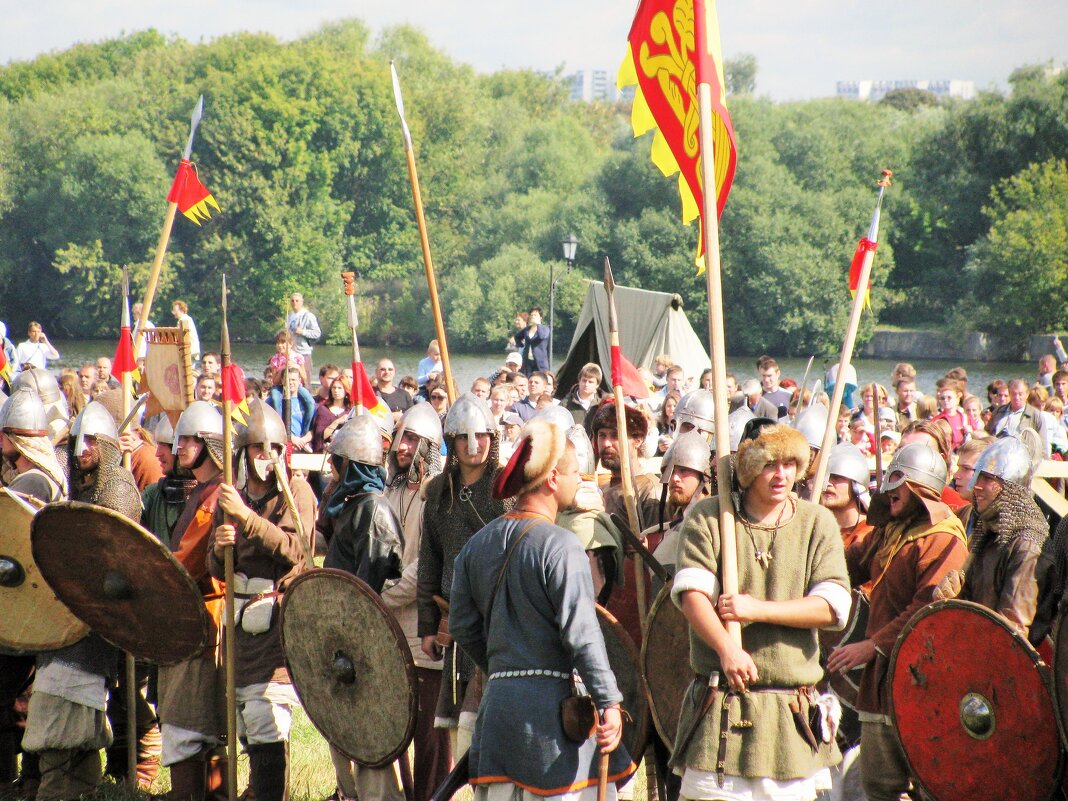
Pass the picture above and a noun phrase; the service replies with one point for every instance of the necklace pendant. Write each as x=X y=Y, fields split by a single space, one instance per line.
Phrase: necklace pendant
x=465 y=494
x=764 y=557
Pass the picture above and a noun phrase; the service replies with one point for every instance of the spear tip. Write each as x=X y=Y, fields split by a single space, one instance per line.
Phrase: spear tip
x=609 y=279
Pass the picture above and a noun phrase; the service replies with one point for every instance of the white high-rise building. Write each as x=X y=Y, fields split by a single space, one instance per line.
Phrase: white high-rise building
x=874 y=91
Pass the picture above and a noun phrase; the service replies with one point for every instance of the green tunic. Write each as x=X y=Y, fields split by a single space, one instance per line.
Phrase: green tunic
x=806 y=551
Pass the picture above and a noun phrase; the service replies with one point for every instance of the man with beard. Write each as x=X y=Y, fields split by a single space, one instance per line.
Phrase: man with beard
x=459 y=502
x=67 y=723
x=191 y=706
x=268 y=554
x=611 y=449
x=523 y=608
x=414 y=458
x=916 y=542
x=367 y=543
x=1009 y=567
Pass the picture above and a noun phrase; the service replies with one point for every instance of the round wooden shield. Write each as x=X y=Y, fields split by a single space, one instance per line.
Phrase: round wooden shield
x=121 y=581
x=624 y=658
x=666 y=663
x=351 y=666
x=972 y=705
x=845 y=685
x=32 y=618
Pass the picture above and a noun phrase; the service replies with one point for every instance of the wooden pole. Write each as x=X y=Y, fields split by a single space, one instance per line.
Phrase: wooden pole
x=848 y=343
x=424 y=240
x=164 y=237
x=349 y=280
x=878 y=433
x=717 y=348
x=294 y=511
x=630 y=502
x=228 y=570
x=130 y=663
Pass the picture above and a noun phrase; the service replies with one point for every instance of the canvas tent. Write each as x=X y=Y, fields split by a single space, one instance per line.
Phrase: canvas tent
x=650 y=323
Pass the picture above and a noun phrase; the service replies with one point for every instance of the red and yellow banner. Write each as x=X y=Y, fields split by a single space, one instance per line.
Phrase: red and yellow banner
x=193 y=198
x=363 y=394
x=233 y=390
x=864 y=246
x=665 y=64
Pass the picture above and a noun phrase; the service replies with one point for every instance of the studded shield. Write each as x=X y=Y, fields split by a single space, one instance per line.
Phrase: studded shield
x=973 y=707
x=351 y=666
x=666 y=663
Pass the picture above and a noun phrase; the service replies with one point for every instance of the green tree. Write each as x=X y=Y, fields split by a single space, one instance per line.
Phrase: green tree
x=1018 y=270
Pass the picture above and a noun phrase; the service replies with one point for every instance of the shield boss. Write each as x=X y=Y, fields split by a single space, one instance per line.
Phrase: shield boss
x=32 y=618
x=624 y=659
x=666 y=663
x=120 y=581
x=351 y=666
x=972 y=705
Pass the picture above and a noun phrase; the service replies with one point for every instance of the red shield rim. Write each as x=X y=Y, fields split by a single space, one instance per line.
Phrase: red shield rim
x=952 y=657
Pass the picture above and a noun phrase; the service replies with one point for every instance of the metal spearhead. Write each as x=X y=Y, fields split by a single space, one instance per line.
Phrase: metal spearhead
x=609 y=288
x=198 y=112
x=225 y=332
x=125 y=296
x=400 y=106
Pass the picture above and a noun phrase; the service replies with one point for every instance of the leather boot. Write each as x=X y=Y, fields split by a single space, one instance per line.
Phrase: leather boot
x=267 y=770
x=188 y=780
x=218 y=767
x=149 y=749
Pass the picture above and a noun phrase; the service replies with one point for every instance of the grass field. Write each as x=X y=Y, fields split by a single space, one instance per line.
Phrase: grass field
x=311 y=776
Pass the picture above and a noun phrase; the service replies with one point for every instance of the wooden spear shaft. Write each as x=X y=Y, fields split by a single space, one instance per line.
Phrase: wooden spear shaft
x=630 y=502
x=228 y=569
x=130 y=663
x=424 y=241
x=717 y=347
x=844 y=357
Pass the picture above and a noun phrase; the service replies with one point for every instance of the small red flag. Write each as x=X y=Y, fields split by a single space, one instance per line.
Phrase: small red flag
x=124 y=361
x=864 y=247
x=192 y=197
x=233 y=390
x=626 y=375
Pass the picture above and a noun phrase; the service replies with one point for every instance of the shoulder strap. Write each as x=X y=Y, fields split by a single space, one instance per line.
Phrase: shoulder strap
x=504 y=568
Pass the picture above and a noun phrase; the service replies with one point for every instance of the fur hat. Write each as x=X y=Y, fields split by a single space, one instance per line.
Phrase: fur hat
x=775 y=443
x=605 y=417
x=540 y=448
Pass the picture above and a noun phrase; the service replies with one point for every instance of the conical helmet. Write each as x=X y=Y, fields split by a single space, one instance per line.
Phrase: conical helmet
x=359 y=440
x=697 y=408
x=94 y=421
x=690 y=450
x=1008 y=459
x=919 y=463
x=263 y=426
x=470 y=415
x=812 y=423
x=24 y=414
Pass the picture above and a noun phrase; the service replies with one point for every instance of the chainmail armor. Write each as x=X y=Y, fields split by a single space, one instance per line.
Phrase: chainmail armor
x=109 y=485
x=1012 y=515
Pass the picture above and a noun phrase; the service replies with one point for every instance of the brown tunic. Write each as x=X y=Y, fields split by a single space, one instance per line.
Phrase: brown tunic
x=267 y=547
x=920 y=554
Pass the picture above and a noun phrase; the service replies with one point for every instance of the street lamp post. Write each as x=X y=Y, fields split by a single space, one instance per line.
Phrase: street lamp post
x=570 y=245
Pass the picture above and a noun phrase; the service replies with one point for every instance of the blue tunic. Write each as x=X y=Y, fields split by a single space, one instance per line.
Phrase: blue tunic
x=544 y=619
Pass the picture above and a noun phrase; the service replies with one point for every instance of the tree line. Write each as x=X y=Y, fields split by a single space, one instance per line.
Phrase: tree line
x=301 y=146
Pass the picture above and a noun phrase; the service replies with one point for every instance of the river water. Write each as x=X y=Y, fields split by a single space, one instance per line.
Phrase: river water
x=469 y=366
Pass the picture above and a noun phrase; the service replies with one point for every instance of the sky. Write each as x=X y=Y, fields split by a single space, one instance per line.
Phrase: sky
x=802 y=48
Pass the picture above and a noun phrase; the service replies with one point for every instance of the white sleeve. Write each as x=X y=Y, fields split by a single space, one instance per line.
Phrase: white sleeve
x=839 y=598
x=697 y=579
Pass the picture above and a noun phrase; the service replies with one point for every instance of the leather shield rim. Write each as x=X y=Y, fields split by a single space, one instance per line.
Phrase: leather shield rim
x=667 y=734
x=321 y=573
x=1041 y=670
x=641 y=722
x=191 y=648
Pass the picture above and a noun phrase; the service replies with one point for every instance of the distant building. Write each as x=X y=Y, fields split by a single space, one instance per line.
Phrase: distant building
x=591 y=85
x=874 y=91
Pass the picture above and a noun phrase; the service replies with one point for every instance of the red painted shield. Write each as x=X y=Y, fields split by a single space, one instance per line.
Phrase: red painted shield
x=972 y=705
x=1060 y=672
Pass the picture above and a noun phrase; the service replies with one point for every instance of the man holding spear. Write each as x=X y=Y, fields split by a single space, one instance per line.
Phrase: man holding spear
x=270 y=550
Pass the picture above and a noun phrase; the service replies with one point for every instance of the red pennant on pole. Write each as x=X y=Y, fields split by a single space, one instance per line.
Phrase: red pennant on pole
x=192 y=197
